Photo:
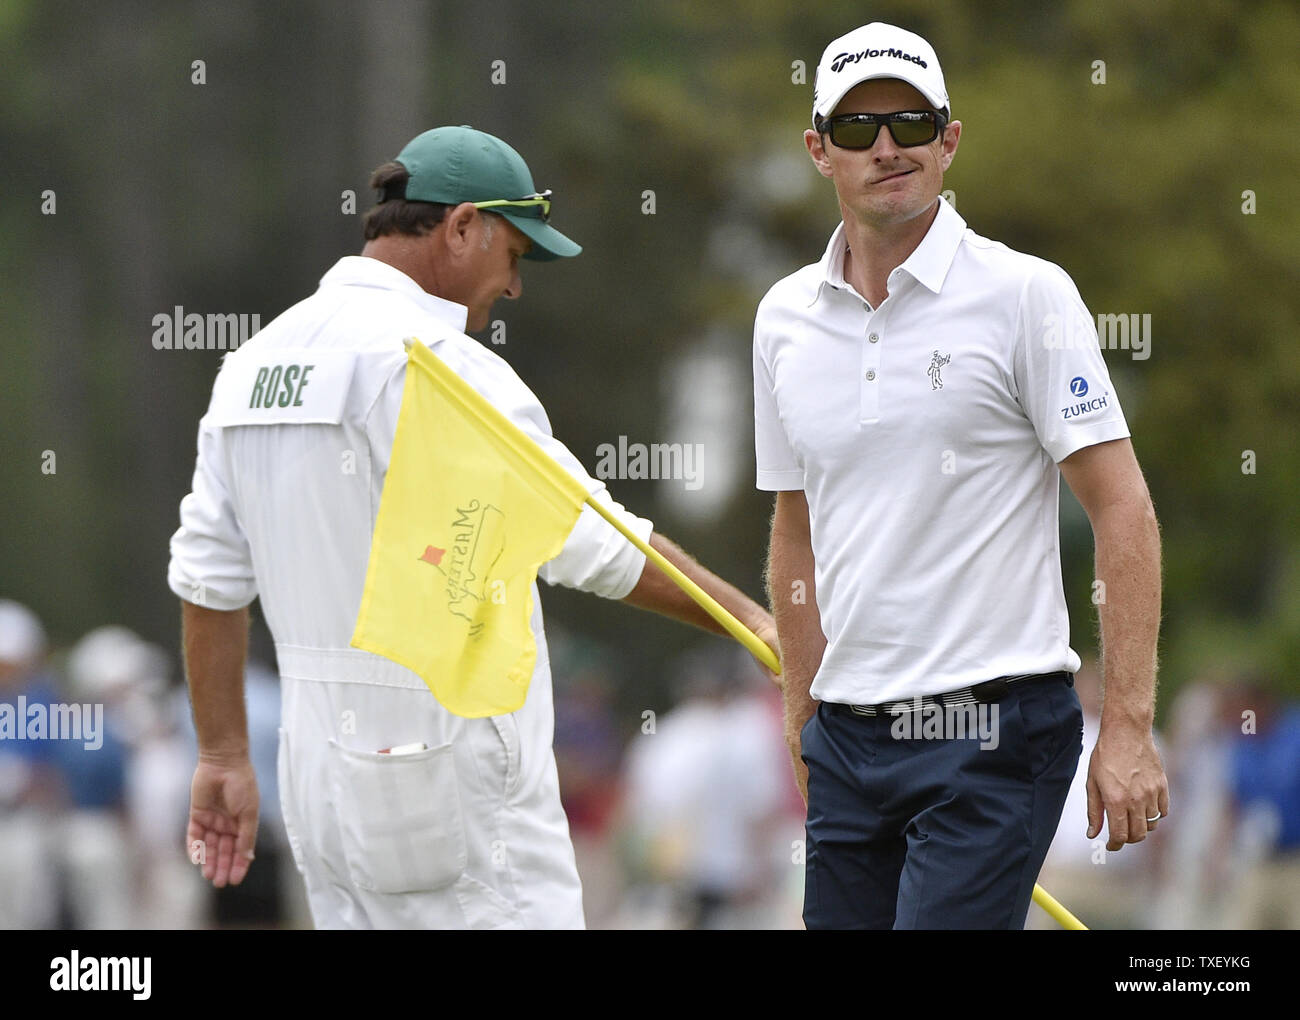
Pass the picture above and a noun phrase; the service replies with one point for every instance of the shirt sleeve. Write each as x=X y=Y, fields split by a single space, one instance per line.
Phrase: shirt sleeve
x=1060 y=375
x=596 y=558
x=211 y=564
x=778 y=467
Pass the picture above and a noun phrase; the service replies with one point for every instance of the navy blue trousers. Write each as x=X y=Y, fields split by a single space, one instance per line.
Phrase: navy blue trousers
x=948 y=832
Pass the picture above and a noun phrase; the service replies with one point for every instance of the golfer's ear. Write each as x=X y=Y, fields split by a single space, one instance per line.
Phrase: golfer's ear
x=458 y=225
x=818 y=152
x=951 y=136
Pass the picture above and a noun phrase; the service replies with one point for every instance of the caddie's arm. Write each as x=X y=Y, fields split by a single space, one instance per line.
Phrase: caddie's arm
x=1126 y=779
x=223 y=796
x=656 y=591
x=792 y=592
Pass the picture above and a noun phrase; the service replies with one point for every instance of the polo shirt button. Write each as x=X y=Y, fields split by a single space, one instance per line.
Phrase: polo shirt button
x=874 y=337
x=871 y=374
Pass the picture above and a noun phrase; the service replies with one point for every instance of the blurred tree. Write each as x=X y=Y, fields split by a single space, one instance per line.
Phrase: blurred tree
x=227 y=196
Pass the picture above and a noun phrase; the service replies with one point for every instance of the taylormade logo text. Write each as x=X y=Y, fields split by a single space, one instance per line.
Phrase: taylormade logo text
x=841 y=59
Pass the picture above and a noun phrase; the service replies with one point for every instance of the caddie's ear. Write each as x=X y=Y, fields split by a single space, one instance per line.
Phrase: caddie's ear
x=818 y=153
x=461 y=227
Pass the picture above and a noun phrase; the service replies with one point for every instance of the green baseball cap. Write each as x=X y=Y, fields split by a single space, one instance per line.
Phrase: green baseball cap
x=458 y=164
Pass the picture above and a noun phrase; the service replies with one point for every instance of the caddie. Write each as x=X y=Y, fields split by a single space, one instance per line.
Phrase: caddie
x=914 y=414
x=400 y=814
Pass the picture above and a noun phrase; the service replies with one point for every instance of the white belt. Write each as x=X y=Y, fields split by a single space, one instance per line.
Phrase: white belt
x=344 y=665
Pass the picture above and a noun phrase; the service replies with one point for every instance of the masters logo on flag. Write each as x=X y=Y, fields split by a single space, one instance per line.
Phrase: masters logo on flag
x=477 y=538
x=471 y=507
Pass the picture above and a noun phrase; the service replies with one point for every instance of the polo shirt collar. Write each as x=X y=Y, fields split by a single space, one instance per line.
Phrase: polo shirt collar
x=928 y=264
x=830 y=270
x=363 y=271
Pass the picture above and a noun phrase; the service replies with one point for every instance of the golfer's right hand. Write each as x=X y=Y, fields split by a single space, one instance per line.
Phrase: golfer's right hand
x=223 y=820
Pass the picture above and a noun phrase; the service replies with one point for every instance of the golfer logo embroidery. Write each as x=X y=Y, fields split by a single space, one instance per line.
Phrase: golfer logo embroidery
x=477 y=541
x=937 y=361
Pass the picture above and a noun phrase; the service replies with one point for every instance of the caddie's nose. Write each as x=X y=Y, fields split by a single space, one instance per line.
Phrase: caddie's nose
x=516 y=285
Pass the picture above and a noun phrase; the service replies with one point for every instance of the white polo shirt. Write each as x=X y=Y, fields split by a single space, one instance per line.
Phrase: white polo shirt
x=925 y=434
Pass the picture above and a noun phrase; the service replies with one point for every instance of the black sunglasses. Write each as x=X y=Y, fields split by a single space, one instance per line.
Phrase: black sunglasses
x=908 y=128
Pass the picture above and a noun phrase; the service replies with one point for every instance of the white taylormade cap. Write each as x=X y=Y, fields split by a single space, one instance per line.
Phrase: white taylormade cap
x=877 y=51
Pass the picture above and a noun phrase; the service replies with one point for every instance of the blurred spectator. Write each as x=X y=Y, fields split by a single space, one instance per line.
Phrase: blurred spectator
x=587 y=756
x=708 y=801
x=173 y=894
x=93 y=846
x=1196 y=865
x=1265 y=782
x=1104 y=889
x=28 y=776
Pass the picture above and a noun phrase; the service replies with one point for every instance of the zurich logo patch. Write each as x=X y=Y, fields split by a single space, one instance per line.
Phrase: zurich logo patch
x=1079 y=386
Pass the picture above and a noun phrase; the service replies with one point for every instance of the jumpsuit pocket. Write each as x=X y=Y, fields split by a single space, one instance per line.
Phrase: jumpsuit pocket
x=507 y=729
x=399 y=817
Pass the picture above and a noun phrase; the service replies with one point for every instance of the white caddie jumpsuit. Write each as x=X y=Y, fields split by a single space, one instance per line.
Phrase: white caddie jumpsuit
x=469 y=833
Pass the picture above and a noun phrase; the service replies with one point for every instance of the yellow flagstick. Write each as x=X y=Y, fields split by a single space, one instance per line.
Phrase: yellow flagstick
x=764 y=654
x=1059 y=914
x=707 y=602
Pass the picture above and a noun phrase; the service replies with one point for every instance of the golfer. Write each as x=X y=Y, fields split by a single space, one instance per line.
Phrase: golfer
x=399 y=814
x=918 y=394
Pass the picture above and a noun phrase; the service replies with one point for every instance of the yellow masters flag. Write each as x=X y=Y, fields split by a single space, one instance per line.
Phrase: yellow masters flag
x=471 y=507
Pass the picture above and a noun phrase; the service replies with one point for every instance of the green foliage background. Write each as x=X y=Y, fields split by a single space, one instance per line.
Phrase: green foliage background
x=226 y=197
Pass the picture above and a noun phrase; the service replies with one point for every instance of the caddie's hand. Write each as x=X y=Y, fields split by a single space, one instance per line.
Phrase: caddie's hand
x=1126 y=781
x=223 y=820
x=767 y=634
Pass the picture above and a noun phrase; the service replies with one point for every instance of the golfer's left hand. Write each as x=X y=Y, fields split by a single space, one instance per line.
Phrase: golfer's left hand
x=1126 y=781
